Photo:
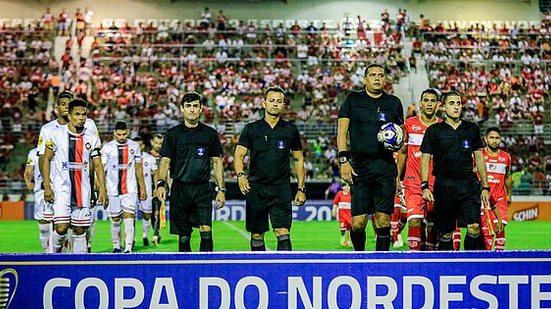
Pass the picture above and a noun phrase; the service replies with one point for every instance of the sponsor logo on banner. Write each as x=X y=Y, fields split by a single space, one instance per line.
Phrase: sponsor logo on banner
x=8 y=286
x=527 y=214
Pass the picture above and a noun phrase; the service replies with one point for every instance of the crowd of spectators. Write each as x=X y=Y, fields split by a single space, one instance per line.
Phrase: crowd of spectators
x=137 y=73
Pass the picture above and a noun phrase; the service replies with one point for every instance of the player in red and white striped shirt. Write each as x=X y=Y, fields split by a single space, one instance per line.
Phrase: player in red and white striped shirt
x=122 y=160
x=498 y=165
x=419 y=212
x=72 y=148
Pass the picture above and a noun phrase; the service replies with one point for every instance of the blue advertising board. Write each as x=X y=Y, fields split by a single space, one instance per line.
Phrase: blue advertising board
x=312 y=210
x=511 y=279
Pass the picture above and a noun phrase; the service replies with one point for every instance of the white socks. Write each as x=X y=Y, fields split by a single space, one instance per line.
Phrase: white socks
x=116 y=234
x=129 y=233
x=58 y=241
x=146 y=227
x=79 y=244
x=90 y=234
x=44 y=235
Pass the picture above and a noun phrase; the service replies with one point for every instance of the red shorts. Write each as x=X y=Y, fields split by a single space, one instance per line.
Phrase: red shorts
x=345 y=219
x=502 y=206
x=417 y=207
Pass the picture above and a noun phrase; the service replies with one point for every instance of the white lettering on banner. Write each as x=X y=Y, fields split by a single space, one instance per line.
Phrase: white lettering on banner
x=139 y=293
x=88 y=283
x=482 y=295
x=49 y=288
x=380 y=291
x=409 y=282
x=526 y=214
x=260 y=284
x=322 y=213
x=296 y=284
x=513 y=282
x=445 y=295
x=356 y=299
x=161 y=284
x=221 y=284
x=233 y=213
x=386 y=300
x=537 y=294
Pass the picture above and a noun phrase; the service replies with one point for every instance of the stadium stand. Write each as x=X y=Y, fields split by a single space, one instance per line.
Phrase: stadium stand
x=137 y=73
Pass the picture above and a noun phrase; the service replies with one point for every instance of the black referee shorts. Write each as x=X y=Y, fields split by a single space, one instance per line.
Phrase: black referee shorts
x=374 y=188
x=190 y=206
x=456 y=201
x=268 y=201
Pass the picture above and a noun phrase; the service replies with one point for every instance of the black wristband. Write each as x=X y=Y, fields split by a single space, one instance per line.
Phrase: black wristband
x=301 y=189
x=240 y=174
x=344 y=154
x=424 y=185
x=161 y=183
x=486 y=188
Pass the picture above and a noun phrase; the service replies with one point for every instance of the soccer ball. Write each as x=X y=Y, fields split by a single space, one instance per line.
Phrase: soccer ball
x=391 y=136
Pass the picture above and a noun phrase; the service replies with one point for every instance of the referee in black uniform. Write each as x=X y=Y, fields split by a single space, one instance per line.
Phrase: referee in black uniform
x=271 y=142
x=457 y=191
x=188 y=149
x=369 y=167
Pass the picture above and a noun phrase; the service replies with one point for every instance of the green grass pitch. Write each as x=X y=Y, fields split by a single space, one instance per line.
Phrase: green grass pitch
x=22 y=237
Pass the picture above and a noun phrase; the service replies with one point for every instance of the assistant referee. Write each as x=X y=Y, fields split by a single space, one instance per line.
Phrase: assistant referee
x=188 y=149
x=271 y=142
x=368 y=166
x=457 y=190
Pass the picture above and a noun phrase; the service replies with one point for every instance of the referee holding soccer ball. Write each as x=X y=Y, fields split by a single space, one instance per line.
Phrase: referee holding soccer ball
x=368 y=165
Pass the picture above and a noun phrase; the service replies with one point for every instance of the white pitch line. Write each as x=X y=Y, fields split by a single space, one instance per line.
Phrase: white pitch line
x=240 y=231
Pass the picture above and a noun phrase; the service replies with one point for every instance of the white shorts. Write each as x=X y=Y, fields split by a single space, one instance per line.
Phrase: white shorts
x=122 y=203
x=42 y=209
x=76 y=216
x=146 y=206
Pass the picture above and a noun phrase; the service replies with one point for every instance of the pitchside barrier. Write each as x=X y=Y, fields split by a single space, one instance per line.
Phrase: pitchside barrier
x=510 y=279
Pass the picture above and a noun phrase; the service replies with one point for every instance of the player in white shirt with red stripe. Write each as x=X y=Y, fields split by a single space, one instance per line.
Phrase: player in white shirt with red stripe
x=62 y=109
x=421 y=235
x=122 y=160
x=43 y=212
x=71 y=148
x=150 y=168
x=498 y=165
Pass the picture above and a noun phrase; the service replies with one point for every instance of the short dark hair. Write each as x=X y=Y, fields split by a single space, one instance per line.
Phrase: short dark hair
x=77 y=103
x=449 y=94
x=275 y=89
x=191 y=97
x=493 y=129
x=374 y=65
x=120 y=125
x=431 y=91
x=137 y=139
x=157 y=135
x=65 y=94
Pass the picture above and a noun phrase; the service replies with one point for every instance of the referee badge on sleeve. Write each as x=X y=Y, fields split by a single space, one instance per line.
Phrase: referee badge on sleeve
x=466 y=144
